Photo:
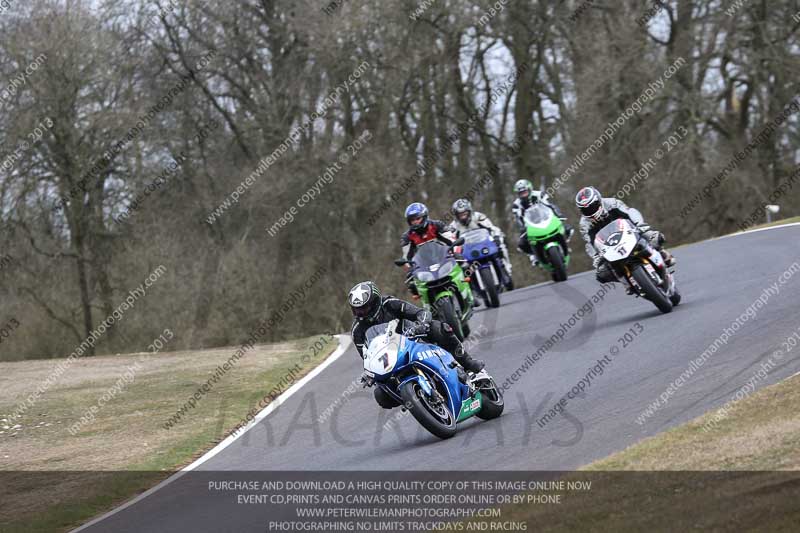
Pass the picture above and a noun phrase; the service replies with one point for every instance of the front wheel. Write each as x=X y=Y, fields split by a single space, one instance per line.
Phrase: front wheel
x=492 y=400
x=651 y=291
x=675 y=298
x=447 y=314
x=433 y=416
x=489 y=288
x=556 y=258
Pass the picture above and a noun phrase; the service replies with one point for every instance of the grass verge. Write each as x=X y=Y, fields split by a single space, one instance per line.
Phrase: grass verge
x=742 y=475
x=54 y=481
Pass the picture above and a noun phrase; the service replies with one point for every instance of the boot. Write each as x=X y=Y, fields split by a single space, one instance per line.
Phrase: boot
x=568 y=228
x=470 y=364
x=462 y=376
x=669 y=259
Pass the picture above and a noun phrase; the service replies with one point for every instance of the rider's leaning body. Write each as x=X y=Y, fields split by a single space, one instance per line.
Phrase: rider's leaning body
x=596 y=213
x=370 y=308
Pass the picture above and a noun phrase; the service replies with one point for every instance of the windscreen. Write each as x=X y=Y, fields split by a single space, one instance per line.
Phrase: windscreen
x=430 y=253
x=477 y=236
x=375 y=331
x=615 y=226
x=537 y=214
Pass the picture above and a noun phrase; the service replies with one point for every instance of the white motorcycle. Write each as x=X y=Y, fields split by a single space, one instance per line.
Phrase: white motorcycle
x=637 y=264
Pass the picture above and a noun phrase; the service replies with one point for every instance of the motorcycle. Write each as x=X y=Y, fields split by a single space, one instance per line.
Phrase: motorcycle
x=488 y=271
x=442 y=285
x=427 y=381
x=640 y=266
x=548 y=238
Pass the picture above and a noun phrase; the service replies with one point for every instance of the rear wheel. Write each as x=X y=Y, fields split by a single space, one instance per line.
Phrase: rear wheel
x=651 y=291
x=447 y=314
x=432 y=415
x=556 y=258
x=489 y=288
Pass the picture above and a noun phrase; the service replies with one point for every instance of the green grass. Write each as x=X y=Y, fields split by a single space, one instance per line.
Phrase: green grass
x=777 y=223
x=53 y=480
x=742 y=475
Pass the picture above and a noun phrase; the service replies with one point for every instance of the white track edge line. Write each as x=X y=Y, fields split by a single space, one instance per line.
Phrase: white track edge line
x=294 y=388
x=757 y=230
x=344 y=343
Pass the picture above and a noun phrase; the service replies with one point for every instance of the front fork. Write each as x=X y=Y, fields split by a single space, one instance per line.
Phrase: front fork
x=476 y=268
x=653 y=263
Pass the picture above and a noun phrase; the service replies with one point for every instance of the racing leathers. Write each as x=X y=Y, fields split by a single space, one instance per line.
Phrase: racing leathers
x=433 y=230
x=429 y=330
x=616 y=209
x=477 y=221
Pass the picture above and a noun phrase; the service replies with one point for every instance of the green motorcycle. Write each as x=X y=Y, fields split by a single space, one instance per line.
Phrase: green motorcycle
x=442 y=285
x=548 y=238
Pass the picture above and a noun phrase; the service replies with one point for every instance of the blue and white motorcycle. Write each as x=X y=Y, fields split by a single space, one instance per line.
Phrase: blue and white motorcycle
x=426 y=380
x=488 y=273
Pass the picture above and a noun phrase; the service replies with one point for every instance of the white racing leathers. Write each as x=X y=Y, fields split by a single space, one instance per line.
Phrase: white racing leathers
x=518 y=207
x=615 y=209
x=481 y=221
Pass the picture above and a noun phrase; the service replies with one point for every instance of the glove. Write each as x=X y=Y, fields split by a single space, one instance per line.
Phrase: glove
x=366 y=380
x=420 y=329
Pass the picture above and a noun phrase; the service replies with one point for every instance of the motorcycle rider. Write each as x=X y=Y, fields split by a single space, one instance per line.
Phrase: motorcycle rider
x=420 y=231
x=370 y=308
x=526 y=197
x=596 y=213
x=465 y=219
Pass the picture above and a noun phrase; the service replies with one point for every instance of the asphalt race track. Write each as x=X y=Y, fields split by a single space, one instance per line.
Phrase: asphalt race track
x=719 y=280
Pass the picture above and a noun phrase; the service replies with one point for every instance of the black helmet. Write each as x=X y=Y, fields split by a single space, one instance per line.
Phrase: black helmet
x=365 y=300
x=462 y=211
x=590 y=203
x=415 y=211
